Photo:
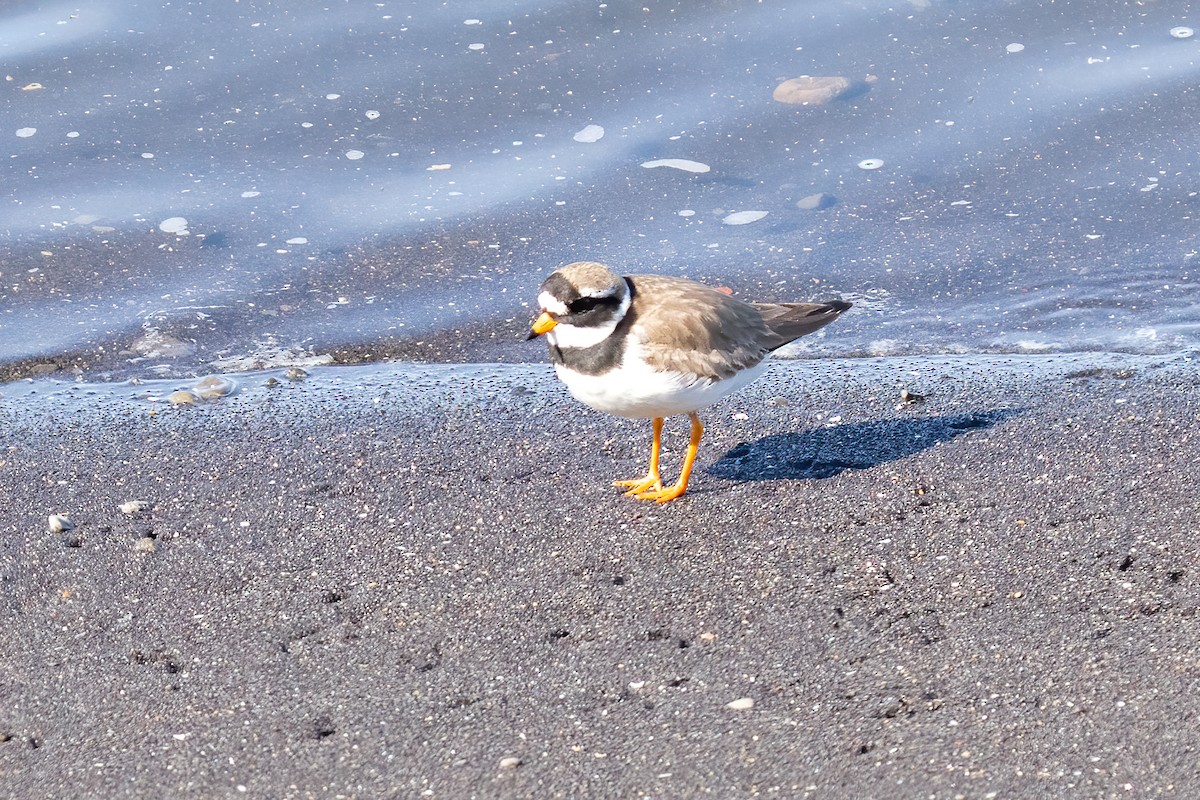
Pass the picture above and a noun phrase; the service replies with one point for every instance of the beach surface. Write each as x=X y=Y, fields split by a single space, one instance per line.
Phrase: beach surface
x=417 y=581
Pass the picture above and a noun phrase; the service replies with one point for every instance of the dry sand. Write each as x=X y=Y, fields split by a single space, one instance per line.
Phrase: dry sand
x=410 y=581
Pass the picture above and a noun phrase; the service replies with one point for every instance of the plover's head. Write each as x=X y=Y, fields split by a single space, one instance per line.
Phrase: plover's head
x=581 y=304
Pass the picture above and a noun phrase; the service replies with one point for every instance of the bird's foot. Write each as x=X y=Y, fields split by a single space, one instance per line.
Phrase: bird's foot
x=650 y=483
x=660 y=495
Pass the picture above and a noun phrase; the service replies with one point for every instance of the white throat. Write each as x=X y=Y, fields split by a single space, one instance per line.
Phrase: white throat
x=570 y=336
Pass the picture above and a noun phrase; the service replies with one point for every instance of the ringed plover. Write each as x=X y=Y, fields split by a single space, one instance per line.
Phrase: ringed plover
x=651 y=346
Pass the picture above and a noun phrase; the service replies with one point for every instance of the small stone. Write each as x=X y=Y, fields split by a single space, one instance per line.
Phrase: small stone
x=183 y=397
x=296 y=374
x=145 y=545
x=511 y=762
x=811 y=91
x=589 y=134
x=741 y=704
x=213 y=387
x=58 y=523
x=743 y=217
x=816 y=202
x=271 y=383
x=678 y=163
x=708 y=637
x=889 y=707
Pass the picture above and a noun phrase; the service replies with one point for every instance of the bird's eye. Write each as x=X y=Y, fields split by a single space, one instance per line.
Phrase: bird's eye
x=584 y=304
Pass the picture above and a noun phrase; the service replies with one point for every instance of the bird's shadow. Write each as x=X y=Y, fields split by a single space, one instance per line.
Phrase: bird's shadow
x=825 y=452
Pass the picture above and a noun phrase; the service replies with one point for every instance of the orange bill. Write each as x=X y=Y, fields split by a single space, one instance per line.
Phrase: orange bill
x=541 y=325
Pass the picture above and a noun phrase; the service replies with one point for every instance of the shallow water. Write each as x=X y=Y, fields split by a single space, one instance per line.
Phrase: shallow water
x=255 y=183
x=857 y=387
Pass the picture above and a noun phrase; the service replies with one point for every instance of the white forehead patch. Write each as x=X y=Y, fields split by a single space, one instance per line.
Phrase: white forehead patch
x=550 y=303
x=590 y=291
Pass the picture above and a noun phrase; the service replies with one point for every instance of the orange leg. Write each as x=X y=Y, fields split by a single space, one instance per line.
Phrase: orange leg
x=651 y=482
x=661 y=495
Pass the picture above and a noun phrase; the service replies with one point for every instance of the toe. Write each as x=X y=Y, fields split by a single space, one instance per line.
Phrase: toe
x=660 y=495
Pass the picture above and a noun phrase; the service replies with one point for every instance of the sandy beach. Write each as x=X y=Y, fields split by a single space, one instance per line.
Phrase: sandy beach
x=417 y=581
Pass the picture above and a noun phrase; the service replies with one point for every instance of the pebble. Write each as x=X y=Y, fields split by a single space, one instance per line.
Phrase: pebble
x=811 y=91
x=741 y=704
x=213 y=387
x=816 y=202
x=1015 y=47
x=58 y=523
x=173 y=225
x=145 y=545
x=678 y=163
x=511 y=762
x=271 y=383
x=132 y=507
x=183 y=397
x=25 y=133
x=296 y=374
x=354 y=155
x=589 y=134
x=743 y=217
x=156 y=344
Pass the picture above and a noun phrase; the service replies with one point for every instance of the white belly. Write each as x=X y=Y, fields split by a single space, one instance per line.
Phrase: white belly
x=637 y=390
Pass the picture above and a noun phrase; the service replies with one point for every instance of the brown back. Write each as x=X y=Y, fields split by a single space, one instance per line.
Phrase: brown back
x=688 y=327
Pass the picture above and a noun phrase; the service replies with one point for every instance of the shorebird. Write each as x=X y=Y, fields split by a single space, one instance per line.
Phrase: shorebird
x=650 y=347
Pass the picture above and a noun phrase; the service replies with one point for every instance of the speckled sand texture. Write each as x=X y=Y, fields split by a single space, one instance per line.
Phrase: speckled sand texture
x=411 y=581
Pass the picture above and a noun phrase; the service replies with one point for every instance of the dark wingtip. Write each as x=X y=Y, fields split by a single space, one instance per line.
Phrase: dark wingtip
x=532 y=335
x=839 y=305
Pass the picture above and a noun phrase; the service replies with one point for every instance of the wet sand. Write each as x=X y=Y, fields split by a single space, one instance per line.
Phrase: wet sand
x=416 y=581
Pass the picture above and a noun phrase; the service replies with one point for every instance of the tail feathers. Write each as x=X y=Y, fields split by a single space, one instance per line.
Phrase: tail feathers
x=790 y=321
